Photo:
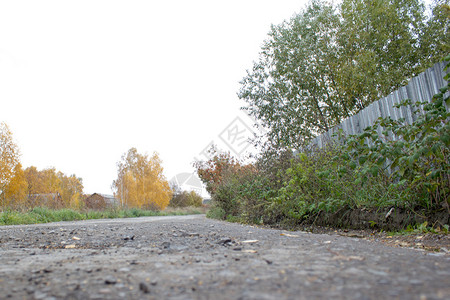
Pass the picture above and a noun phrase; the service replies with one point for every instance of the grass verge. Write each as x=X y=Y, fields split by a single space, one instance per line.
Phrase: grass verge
x=45 y=215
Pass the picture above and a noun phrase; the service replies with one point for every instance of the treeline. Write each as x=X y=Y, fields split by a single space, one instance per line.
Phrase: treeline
x=31 y=187
x=140 y=184
x=26 y=188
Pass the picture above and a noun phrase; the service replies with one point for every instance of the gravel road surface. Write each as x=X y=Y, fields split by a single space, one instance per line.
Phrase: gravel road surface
x=192 y=257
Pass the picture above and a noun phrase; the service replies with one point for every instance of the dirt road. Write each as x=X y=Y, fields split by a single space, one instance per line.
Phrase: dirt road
x=192 y=257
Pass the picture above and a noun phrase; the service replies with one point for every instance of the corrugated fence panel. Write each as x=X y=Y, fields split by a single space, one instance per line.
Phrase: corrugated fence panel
x=419 y=89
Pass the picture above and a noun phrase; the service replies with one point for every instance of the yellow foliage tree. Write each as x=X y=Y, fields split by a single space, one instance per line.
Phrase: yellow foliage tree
x=17 y=185
x=15 y=193
x=49 y=181
x=140 y=181
x=71 y=190
x=34 y=184
x=9 y=159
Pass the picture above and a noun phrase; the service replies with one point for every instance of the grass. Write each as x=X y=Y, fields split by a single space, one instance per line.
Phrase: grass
x=423 y=228
x=45 y=215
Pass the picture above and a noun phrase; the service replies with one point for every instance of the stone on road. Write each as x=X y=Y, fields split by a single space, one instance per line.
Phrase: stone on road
x=192 y=257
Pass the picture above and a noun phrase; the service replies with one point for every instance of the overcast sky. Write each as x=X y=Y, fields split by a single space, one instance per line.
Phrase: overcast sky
x=81 y=82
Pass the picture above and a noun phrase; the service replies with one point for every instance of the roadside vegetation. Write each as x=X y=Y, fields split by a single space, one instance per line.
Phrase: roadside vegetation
x=322 y=66
x=33 y=196
x=46 y=215
x=391 y=184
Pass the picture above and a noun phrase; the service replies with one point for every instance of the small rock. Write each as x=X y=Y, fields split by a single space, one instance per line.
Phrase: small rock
x=225 y=241
x=39 y=295
x=104 y=291
x=110 y=280
x=129 y=238
x=165 y=245
x=144 y=287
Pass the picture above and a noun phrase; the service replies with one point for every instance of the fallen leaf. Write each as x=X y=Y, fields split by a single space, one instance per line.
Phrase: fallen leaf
x=289 y=235
x=249 y=251
x=355 y=235
x=76 y=238
x=70 y=246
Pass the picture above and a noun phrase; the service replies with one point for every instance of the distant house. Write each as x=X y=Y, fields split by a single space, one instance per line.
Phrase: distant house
x=51 y=200
x=101 y=201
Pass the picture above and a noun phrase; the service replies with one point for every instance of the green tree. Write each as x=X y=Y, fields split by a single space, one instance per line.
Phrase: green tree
x=329 y=62
x=436 y=34
x=380 y=45
x=290 y=89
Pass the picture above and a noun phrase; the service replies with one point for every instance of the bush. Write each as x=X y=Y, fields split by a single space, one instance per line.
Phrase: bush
x=214 y=171
x=238 y=190
x=185 y=199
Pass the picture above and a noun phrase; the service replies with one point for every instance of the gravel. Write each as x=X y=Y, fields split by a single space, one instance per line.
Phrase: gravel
x=192 y=257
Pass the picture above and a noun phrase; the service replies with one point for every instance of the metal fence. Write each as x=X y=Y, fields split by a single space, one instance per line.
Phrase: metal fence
x=421 y=88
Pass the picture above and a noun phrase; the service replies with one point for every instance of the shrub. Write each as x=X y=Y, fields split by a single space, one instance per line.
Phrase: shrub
x=185 y=199
x=417 y=160
x=214 y=171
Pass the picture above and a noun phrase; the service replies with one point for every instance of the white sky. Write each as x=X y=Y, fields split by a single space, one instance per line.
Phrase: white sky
x=81 y=82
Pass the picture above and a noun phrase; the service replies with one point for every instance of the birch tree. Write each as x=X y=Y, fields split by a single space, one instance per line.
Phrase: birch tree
x=140 y=181
x=9 y=158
